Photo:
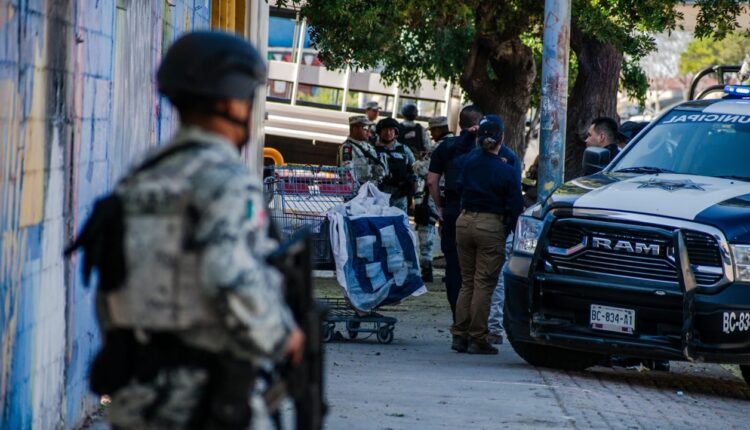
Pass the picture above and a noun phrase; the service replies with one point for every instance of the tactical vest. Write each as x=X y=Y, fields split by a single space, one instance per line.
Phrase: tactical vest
x=162 y=289
x=412 y=136
x=398 y=166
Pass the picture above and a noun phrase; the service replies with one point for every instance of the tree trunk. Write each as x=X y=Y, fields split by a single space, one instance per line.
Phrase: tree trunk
x=508 y=94
x=594 y=94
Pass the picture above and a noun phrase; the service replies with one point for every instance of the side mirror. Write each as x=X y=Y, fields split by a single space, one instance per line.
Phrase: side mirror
x=595 y=159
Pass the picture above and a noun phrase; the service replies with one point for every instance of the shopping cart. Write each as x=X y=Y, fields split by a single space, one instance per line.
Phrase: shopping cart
x=299 y=197
x=339 y=311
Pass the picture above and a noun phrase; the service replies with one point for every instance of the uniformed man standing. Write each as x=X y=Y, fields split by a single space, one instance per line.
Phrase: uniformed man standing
x=357 y=152
x=400 y=182
x=443 y=166
x=198 y=308
x=425 y=211
x=372 y=110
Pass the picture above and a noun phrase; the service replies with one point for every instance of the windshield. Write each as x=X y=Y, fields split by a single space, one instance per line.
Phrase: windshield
x=693 y=143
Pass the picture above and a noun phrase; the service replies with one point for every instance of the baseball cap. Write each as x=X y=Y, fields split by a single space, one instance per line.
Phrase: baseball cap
x=490 y=126
x=437 y=121
x=372 y=105
x=359 y=119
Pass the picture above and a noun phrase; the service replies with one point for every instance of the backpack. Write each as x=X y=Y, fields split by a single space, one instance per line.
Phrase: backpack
x=149 y=216
x=412 y=136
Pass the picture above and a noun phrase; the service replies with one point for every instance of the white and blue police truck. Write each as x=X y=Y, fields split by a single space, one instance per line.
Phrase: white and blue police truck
x=650 y=256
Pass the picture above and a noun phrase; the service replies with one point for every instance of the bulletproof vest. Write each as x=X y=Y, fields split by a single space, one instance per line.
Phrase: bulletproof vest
x=398 y=166
x=162 y=289
x=457 y=147
x=412 y=136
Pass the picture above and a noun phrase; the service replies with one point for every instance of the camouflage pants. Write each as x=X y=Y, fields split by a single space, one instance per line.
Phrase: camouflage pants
x=178 y=392
x=400 y=202
x=495 y=321
x=426 y=235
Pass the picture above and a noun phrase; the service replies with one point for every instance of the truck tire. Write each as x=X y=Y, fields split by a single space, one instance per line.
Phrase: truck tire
x=745 y=369
x=556 y=358
x=543 y=355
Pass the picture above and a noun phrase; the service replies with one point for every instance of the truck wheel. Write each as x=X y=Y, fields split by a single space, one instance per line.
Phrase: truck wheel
x=553 y=357
x=745 y=369
x=546 y=356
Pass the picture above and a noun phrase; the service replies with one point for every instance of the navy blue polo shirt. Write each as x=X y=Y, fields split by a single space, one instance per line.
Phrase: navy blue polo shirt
x=444 y=157
x=489 y=184
x=506 y=154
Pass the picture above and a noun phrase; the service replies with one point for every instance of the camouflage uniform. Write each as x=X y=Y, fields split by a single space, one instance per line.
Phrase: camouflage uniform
x=204 y=280
x=399 y=151
x=352 y=154
x=427 y=232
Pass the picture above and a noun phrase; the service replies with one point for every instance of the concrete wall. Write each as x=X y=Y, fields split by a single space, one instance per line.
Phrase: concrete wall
x=77 y=105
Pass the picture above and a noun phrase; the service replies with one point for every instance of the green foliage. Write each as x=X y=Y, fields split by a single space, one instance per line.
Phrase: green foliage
x=706 y=52
x=633 y=80
x=410 y=40
x=718 y=18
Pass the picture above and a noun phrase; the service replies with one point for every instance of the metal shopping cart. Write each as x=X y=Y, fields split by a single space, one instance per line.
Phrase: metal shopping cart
x=299 y=196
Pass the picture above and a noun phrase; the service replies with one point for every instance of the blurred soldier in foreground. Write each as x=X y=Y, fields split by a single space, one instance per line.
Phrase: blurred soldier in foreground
x=188 y=306
x=357 y=152
x=425 y=210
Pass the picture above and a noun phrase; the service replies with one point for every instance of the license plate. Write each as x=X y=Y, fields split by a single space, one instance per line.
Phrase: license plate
x=612 y=319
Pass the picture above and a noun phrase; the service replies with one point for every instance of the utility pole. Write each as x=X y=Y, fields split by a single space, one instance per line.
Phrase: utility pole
x=554 y=102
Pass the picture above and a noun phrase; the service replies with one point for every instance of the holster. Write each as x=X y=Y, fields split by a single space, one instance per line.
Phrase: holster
x=226 y=401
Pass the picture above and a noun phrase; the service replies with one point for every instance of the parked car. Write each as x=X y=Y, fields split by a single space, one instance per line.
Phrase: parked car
x=649 y=255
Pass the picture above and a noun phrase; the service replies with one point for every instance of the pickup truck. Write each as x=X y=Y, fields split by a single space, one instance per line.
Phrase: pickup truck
x=649 y=257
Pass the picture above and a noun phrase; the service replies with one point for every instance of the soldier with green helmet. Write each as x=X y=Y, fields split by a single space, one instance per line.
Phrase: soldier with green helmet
x=198 y=309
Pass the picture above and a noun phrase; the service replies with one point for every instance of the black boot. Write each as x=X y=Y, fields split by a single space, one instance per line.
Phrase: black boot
x=427 y=272
x=460 y=343
x=477 y=346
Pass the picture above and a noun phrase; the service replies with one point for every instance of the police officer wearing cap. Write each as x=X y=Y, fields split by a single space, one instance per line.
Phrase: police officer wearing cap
x=444 y=169
x=199 y=308
x=490 y=204
x=357 y=153
x=400 y=180
x=425 y=209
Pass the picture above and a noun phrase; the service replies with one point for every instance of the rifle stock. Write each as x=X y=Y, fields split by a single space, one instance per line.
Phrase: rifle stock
x=303 y=383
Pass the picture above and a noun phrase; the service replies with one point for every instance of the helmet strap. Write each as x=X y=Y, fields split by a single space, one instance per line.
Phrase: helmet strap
x=243 y=123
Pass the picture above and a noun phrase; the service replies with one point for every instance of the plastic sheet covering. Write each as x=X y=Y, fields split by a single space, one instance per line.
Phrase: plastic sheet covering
x=374 y=250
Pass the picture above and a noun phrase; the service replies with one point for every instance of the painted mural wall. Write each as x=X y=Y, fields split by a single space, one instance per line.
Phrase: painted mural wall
x=77 y=106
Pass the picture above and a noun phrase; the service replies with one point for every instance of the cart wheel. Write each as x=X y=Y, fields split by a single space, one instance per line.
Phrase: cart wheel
x=352 y=328
x=328 y=333
x=385 y=334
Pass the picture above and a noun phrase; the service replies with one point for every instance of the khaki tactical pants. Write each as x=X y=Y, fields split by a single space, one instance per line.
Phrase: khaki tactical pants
x=480 y=239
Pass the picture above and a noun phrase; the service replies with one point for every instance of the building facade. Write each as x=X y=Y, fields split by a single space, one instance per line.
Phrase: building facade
x=307 y=105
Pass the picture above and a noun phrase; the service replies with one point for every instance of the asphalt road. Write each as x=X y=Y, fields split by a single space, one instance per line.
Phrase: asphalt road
x=418 y=382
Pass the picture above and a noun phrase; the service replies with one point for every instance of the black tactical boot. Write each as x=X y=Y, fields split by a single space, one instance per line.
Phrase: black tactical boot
x=427 y=272
x=480 y=347
x=460 y=343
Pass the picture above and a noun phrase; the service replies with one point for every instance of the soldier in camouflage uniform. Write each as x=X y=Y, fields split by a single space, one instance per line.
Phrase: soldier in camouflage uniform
x=357 y=153
x=425 y=216
x=199 y=309
x=372 y=110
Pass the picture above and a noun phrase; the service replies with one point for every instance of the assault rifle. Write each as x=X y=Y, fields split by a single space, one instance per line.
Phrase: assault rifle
x=303 y=383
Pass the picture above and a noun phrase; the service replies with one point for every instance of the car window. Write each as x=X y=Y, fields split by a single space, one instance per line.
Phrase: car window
x=694 y=143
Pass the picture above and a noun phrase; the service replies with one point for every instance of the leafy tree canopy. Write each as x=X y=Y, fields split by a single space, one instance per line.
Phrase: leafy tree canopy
x=706 y=52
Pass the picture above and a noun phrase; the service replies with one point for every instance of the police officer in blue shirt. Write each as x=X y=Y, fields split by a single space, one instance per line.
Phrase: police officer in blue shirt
x=443 y=164
x=490 y=205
